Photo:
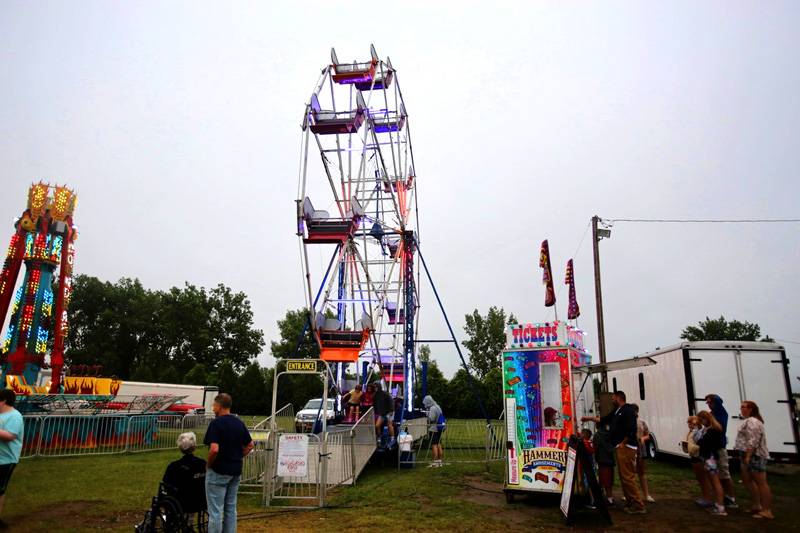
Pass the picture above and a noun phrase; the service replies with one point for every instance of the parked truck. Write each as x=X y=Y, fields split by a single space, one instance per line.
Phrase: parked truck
x=675 y=388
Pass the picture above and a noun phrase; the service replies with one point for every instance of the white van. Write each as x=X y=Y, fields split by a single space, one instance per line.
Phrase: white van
x=675 y=388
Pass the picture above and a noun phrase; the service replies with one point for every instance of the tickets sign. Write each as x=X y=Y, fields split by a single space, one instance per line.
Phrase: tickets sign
x=542 y=335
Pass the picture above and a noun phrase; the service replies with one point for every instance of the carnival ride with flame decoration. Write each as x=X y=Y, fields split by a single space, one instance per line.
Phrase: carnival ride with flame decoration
x=365 y=306
x=44 y=240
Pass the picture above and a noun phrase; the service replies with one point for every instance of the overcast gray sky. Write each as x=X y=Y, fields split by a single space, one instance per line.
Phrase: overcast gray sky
x=179 y=125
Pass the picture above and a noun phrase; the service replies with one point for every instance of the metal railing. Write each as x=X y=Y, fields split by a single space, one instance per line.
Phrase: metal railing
x=102 y=434
x=254 y=466
x=362 y=442
x=462 y=441
x=295 y=491
x=338 y=461
x=284 y=420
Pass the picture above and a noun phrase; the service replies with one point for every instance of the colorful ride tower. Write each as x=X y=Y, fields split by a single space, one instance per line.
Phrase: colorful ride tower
x=43 y=240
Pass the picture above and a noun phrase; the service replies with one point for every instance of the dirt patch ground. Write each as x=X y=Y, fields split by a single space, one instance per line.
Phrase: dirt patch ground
x=669 y=513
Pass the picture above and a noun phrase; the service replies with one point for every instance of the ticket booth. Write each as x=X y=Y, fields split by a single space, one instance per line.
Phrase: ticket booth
x=546 y=391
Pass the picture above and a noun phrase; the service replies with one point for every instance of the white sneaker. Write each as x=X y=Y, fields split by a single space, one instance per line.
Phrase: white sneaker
x=650 y=499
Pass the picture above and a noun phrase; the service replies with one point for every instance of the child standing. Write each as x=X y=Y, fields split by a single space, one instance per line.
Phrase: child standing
x=604 y=455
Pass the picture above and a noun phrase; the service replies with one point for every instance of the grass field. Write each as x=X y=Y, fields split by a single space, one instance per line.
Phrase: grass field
x=111 y=493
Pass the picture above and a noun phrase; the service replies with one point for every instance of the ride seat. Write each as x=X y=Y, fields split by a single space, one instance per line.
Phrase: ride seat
x=394 y=316
x=390 y=122
x=328 y=122
x=345 y=73
x=321 y=228
x=382 y=80
x=339 y=344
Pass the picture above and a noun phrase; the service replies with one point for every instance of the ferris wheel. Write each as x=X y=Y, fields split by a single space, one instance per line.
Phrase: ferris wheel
x=356 y=223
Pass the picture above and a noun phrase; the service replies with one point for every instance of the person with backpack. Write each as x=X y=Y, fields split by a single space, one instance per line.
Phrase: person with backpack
x=436 y=426
x=384 y=414
x=604 y=457
x=710 y=444
x=714 y=403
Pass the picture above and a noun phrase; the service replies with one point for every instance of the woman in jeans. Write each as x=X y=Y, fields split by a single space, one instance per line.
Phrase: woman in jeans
x=710 y=444
x=751 y=442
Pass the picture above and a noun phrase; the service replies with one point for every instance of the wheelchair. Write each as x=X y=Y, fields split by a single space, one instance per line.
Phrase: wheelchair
x=167 y=515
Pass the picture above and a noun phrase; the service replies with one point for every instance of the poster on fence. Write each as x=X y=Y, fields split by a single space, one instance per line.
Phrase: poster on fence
x=293 y=455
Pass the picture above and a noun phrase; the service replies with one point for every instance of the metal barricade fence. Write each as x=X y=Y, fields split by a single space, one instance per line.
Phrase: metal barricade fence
x=338 y=461
x=62 y=436
x=495 y=441
x=100 y=434
x=284 y=420
x=462 y=441
x=197 y=424
x=254 y=466
x=362 y=442
x=256 y=462
x=154 y=432
x=31 y=436
x=295 y=491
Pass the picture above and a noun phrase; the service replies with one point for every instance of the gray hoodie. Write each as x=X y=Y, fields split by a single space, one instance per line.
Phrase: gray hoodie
x=434 y=412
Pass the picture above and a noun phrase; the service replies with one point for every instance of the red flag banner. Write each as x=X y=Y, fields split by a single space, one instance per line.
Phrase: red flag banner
x=547 y=277
x=573 y=311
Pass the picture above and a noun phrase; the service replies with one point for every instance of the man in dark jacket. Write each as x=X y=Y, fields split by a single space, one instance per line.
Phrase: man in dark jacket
x=384 y=412
x=714 y=403
x=185 y=478
x=623 y=438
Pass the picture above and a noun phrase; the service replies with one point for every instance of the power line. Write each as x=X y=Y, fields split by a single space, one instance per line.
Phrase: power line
x=705 y=220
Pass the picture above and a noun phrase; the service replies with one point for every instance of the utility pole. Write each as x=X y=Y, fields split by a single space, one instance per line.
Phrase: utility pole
x=598 y=297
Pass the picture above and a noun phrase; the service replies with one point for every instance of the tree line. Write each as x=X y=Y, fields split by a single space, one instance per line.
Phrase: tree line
x=200 y=336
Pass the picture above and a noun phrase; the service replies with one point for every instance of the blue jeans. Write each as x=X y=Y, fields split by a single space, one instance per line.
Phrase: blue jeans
x=221 y=493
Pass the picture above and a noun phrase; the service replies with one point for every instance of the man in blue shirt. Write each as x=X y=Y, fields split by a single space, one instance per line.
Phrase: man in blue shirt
x=229 y=442
x=12 y=428
x=714 y=403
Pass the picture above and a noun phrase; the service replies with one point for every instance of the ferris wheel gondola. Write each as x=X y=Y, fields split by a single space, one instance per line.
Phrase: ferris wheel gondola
x=359 y=170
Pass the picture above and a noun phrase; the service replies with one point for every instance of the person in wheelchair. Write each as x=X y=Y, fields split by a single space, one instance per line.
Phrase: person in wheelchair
x=180 y=505
x=185 y=479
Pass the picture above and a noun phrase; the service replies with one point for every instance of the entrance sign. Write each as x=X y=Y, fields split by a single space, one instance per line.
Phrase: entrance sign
x=301 y=366
x=293 y=455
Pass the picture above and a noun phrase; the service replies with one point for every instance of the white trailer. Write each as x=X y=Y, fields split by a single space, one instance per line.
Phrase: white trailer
x=675 y=388
x=194 y=394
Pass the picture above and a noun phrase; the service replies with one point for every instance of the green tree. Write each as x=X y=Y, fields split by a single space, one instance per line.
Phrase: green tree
x=296 y=389
x=492 y=392
x=437 y=383
x=207 y=326
x=487 y=337
x=720 y=329
x=197 y=375
x=226 y=377
x=460 y=399
x=169 y=375
x=143 y=373
x=123 y=326
x=250 y=392
x=424 y=353
x=290 y=328
x=113 y=325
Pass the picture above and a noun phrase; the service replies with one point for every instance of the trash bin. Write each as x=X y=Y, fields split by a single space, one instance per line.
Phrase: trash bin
x=408 y=459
